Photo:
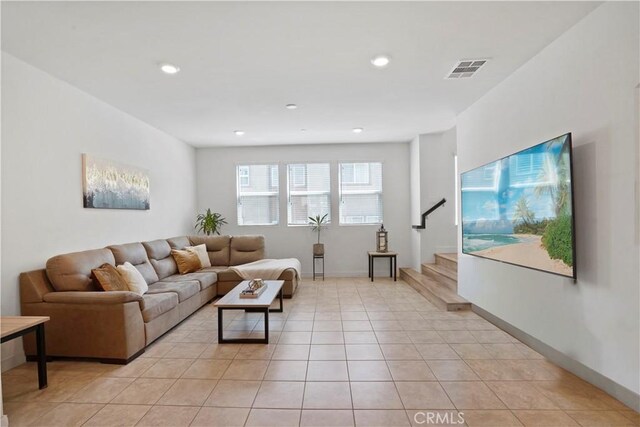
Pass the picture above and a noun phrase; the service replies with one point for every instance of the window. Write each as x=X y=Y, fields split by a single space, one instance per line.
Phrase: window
x=309 y=192
x=361 y=193
x=258 y=195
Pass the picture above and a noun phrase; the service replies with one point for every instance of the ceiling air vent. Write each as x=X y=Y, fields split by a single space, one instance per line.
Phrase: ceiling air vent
x=466 y=68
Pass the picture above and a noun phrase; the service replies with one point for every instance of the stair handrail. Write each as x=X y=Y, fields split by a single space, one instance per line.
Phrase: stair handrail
x=423 y=225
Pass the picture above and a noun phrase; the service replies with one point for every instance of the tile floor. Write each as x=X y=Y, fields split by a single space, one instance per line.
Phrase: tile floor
x=344 y=352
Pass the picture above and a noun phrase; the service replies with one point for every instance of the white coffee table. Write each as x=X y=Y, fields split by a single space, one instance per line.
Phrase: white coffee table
x=232 y=301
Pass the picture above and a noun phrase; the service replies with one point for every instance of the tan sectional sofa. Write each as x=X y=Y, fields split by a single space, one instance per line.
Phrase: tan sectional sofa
x=117 y=326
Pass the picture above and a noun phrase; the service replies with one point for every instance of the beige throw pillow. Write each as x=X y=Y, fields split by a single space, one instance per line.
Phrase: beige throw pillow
x=187 y=261
x=133 y=278
x=203 y=255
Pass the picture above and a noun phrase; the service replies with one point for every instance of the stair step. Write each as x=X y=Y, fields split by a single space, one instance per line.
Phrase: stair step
x=437 y=293
x=441 y=274
x=449 y=260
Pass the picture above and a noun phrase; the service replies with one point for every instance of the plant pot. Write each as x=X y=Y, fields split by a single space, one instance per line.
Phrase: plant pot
x=318 y=248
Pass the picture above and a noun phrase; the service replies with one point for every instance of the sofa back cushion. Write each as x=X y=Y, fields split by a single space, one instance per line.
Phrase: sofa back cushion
x=179 y=242
x=244 y=249
x=217 y=248
x=72 y=272
x=159 y=253
x=135 y=254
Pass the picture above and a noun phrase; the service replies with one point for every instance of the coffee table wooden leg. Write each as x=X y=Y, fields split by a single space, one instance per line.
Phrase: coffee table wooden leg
x=42 y=356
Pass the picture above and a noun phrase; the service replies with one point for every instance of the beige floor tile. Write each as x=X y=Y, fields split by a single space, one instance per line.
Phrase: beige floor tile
x=295 y=338
x=494 y=370
x=366 y=337
x=425 y=337
x=539 y=370
x=256 y=351
x=472 y=395
x=400 y=352
x=158 y=349
x=381 y=315
x=207 y=369
x=246 y=370
x=286 y=370
x=327 y=352
x=298 y=326
x=280 y=395
x=327 y=325
x=491 y=337
x=328 y=315
x=188 y=392
x=118 y=415
x=101 y=390
x=301 y=316
x=375 y=395
x=369 y=370
x=423 y=395
x=392 y=337
x=452 y=370
x=491 y=418
x=457 y=337
x=381 y=418
x=273 y=418
x=410 y=370
x=220 y=351
x=545 y=418
x=520 y=395
x=168 y=368
x=68 y=414
x=186 y=351
x=233 y=394
x=632 y=415
x=327 y=395
x=327 y=370
x=436 y=351
x=364 y=352
x=504 y=351
x=415 y=325
x=354 y=315
x=291 y=352
x=25 y=413
x=132 y=369
x=326 y=418
x=386 y=325
x=169 y=416
x=356 y=325
x=220 y=417
x=144 y=391
x=600 y=418
x=471 y=351
x=329 y=337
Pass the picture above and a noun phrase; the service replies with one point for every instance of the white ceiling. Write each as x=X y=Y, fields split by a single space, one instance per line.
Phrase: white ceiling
x=243 y=61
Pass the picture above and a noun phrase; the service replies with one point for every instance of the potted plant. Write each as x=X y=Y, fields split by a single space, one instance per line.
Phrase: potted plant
x=317 y=223
x=210 y=222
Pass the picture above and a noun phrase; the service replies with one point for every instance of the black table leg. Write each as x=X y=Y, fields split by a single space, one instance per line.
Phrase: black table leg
x=390 y=266
x=395 y=269
x=266 y=321
x=42 y=356
x=371 y=267
x=220 y=324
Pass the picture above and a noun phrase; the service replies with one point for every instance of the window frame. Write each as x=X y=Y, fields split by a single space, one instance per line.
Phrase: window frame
x=348 y=184
x=274 y=190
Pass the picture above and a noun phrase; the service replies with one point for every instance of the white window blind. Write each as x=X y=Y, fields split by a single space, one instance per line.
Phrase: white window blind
x=308 y=192
x=361 y=193
x=258 y=194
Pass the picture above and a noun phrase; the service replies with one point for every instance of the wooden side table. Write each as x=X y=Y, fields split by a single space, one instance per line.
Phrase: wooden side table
x=317 y=257
x=393 y=263
x=17 y=326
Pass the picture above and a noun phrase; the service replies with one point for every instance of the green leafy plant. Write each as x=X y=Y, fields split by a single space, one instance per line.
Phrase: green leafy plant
x=557 y=239
x=318 y=222
x=210 y=222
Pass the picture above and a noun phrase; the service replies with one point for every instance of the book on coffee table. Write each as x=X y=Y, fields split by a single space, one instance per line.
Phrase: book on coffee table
x=253 y=293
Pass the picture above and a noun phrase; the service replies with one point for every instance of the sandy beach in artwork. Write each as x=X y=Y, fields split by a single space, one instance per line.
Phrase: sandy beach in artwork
x=530 y=253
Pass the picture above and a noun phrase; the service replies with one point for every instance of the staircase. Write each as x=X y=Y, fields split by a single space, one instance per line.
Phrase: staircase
x=438 y=282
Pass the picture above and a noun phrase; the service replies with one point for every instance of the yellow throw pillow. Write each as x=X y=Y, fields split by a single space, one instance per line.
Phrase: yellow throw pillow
x=108 y=278
x=187 y=261
x=203 y=255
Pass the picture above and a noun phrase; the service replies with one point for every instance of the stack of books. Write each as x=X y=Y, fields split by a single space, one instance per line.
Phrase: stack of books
x=252 y=293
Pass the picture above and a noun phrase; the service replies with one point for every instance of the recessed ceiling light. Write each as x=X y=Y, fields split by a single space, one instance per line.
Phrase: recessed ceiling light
x=238 y=132
x=291 y=106
x=380 y=61
x=357 y=130
x=169 y=68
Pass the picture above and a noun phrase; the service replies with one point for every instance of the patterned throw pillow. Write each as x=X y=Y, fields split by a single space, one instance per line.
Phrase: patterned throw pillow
x=187 y=261
x=108 y=278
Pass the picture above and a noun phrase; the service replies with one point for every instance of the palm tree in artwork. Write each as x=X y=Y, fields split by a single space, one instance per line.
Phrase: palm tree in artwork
x=523 y=214
x=554 y=177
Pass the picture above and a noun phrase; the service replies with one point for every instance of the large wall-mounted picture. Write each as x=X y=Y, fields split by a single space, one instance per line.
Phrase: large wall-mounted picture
x=110 y=185
x=519 y=209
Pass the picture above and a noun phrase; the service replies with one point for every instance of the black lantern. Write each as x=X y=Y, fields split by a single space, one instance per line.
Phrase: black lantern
x=382 y=241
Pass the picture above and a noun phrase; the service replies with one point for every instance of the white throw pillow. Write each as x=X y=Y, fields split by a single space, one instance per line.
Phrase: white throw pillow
x=133 y=278
x=201 y=251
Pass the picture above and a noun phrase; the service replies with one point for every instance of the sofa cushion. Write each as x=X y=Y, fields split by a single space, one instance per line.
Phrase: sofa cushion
x=108 y=279
x=184 y=289
x=187 y=261
x=245 y=249
x=72 y=272
x=179 y=242
x=206 y=278
x=136 y=255
x=217 y=248
x=154 y=305
x=159 y=253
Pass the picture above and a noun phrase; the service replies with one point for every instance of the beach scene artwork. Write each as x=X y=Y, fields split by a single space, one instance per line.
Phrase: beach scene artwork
x=519 y=209
x=111 y=185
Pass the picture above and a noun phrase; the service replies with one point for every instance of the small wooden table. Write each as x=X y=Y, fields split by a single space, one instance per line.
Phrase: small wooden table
x=17 y=326
x=232 y=301
x=393 y=263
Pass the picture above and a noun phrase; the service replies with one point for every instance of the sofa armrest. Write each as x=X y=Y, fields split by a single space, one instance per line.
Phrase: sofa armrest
x=83 y=297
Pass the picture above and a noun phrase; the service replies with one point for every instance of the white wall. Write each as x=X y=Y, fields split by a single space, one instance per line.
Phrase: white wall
x=345 y=246
x=416 y=208
x=584 y=82
x=46 y=126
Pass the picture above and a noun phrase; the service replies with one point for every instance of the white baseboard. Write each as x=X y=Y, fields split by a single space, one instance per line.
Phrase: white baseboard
x=620 y=392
